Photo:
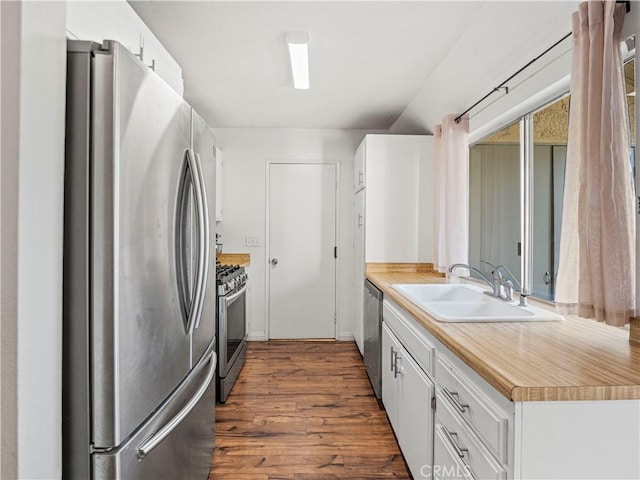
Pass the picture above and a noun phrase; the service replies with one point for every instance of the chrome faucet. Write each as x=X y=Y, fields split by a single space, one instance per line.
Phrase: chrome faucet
x=509 y=287
x=497 y=282
x=508 y=284
x=506 y=270
x=495 y=286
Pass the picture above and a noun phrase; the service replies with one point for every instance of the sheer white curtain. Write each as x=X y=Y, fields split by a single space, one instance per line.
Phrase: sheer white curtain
x=596 y=277
x=451 y=192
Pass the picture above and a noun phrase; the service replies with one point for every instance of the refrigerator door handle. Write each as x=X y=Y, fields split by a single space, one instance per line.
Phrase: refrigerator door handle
x=188 y=296
x=154 y=440
x=195 y=309
x=204 y=237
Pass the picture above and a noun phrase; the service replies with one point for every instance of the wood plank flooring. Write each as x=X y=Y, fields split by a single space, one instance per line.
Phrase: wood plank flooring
x=304 y=410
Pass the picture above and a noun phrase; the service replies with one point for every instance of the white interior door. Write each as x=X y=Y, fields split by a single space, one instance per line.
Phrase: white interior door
x=302 y=237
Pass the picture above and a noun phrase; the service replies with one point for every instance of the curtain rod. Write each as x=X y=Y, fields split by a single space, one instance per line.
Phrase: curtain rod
x=502 y=86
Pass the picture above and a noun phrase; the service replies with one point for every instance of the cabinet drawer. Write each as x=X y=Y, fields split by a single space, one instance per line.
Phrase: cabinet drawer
x=447 y=463
x=416 y=343
x=487 y=420
x=461 y=442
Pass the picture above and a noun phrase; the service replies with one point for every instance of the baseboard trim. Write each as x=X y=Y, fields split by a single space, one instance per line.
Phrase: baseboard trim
x=261 y=337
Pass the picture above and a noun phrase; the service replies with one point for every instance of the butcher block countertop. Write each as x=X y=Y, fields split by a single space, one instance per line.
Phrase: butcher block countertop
x=242 y=259
x=575 y=359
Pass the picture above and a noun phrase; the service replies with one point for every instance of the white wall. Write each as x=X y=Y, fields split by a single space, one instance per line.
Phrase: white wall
x=546 y=80
x=482 y=58
x=425 y=203
x=245 y=153
x=32 y=207
x=116 y=20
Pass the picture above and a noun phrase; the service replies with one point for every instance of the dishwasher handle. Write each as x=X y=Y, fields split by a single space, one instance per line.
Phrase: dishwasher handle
x=373 y=290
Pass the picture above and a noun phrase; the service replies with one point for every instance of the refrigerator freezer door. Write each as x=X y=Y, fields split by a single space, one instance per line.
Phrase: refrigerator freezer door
x=140 y=348
x=185 y=452
x=204 y=148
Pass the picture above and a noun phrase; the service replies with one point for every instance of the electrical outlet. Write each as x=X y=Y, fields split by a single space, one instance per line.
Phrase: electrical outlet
x=253 y=242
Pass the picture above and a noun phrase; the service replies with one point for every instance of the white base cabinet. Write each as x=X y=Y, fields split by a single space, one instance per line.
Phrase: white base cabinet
x=477 y=433
x=407 y=395
x=415 y=413
x=390 y=396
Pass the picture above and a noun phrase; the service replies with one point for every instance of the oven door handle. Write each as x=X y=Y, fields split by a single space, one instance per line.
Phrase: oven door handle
x=229 y=300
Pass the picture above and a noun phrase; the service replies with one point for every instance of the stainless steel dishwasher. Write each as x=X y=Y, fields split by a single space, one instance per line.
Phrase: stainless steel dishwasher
x=372 y=335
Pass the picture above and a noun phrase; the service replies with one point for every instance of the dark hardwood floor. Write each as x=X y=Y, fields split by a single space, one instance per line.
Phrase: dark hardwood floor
x=304 y=411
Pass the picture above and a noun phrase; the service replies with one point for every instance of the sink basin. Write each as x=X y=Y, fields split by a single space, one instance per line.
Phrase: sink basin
x=469 y=303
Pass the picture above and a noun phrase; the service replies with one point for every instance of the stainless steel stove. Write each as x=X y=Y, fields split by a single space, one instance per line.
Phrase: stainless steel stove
x=232 y=326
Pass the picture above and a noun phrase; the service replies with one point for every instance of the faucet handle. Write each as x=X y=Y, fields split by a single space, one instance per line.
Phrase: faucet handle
x=497 y=274
x=508 y=290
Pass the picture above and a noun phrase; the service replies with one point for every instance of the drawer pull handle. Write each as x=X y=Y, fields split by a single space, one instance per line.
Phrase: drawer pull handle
x=393 y=359
x=459 y=450
x=453 y=398
x=397 y=370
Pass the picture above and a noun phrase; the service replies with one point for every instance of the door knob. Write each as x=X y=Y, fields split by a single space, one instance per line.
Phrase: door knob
x=274 y=261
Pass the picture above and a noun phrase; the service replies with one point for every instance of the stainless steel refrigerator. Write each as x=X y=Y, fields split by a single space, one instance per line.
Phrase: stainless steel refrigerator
x=139 y=275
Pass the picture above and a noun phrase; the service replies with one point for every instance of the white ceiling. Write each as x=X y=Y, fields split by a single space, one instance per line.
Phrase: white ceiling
x=369 y=61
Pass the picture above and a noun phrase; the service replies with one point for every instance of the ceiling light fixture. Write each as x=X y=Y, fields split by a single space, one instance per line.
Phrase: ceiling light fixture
x=298 y=52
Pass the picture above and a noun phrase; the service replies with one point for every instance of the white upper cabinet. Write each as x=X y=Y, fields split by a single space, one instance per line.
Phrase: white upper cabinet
x=391 y=167
x=218 y=185
x=393 y=206
x=358 y=167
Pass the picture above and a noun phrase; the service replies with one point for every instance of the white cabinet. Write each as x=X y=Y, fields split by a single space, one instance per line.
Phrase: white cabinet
x=448 y=464
x=390 y=395
x=416 y=415
x=481 y=434
x=218 y=185
x=447 y=446
x=470 y=450
x=393 y=213
x=480 y=413
x=407 y=394
x=358 y=261
x=391 y=207
x=358 y=167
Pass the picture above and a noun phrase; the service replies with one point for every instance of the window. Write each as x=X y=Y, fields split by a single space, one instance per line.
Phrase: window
x=550 y=132
x=495 y=193
x=494 y=202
